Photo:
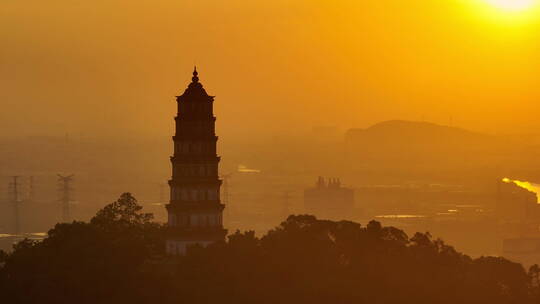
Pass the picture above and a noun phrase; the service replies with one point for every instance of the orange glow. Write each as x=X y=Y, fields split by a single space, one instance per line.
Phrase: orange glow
x=535 y=188
x=512 y=5
x=97 y=68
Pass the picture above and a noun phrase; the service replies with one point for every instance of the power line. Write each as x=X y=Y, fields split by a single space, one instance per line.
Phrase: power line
x=65 y=196
x=31 y=190
x=14 y=193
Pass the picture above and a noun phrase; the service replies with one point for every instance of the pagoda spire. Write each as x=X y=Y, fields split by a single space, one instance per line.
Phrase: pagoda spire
x=195 y=88
x=195 y=77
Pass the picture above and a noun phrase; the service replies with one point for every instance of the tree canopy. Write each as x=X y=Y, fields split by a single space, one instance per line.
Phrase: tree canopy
x=118 y=257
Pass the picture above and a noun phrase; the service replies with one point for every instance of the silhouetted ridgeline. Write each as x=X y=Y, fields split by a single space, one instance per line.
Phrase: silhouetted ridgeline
x=412 y=143
x=118 y=258
x=429 y=150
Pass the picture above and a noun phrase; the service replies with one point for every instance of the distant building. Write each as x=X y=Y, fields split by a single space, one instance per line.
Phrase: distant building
x=195 y=210
x=328 y=199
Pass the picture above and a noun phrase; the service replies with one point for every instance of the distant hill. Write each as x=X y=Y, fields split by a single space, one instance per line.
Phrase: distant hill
x=414 y=146
x=402 y=133
x=411 y=132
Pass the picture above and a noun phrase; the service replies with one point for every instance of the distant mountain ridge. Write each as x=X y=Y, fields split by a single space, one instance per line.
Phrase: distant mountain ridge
x=410 y=145
x=415 y=130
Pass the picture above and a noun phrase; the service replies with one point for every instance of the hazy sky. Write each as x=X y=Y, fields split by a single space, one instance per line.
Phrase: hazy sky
x=113 y=67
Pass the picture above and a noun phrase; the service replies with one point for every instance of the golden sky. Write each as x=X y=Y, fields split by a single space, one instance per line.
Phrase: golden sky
x=111 y=67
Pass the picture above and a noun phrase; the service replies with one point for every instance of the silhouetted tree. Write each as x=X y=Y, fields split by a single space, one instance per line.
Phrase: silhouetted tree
x=534 y=277
x=81 y=262
x=118 y=258
x=124 y=211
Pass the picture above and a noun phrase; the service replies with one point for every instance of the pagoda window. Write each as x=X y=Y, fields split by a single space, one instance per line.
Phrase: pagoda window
x=172 y=220
x=183 y=195
x=195 y=220
x=181 y=170
x=201 y=195
x=211 y=194
x=180 y=220
x=185 y=220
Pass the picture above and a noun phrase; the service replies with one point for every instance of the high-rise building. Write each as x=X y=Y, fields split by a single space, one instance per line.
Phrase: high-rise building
x=195 y=210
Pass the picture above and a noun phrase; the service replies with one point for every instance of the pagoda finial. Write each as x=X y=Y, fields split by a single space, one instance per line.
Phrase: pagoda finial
x=195 y=75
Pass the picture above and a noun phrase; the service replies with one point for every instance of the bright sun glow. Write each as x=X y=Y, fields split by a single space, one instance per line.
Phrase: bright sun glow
x=535 y=188
x=513 y=5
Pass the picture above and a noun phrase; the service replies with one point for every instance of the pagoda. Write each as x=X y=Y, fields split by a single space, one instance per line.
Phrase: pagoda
x=195 y=212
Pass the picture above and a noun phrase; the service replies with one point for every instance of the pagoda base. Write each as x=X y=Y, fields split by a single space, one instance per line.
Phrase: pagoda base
x=179 y=247
x=178 y=244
